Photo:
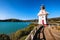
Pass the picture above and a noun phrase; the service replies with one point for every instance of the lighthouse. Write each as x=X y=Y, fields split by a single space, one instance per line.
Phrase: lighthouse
x=42 y=16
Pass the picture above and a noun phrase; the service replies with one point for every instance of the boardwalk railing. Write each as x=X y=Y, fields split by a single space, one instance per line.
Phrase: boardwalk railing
x=32 y=33
x=56 y=24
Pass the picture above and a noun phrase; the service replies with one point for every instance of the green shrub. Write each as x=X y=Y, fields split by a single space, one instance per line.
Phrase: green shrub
x=4 y=37
x=23 y=38
x=23 y=32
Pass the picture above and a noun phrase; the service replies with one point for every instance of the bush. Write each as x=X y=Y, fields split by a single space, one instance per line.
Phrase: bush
x=21 y=34
x=23 y=38
x=4 y=37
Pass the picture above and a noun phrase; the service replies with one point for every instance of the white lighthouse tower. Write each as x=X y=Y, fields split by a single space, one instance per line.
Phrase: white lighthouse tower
x=42 y=16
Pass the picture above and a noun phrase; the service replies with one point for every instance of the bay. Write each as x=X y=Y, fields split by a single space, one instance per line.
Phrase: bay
x=11 y=27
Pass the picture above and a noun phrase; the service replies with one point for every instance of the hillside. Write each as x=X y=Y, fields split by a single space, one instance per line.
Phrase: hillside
x=16 y=20
x=33 y=20
x=54 y=20
x=11 y=20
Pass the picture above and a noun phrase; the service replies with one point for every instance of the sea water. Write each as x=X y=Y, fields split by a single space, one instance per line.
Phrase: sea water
x=11 y=27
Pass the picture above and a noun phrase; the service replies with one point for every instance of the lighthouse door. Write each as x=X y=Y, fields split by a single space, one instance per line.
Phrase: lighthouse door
x=43 y=22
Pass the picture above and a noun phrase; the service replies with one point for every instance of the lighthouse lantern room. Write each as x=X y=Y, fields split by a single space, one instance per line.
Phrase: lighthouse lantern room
x=42 y=16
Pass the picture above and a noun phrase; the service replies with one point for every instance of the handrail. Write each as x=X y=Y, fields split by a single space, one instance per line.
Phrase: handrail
x=32 y=33
x=49 y=25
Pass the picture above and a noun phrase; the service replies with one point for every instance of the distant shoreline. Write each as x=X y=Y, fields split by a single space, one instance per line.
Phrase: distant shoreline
x=17 y=20
x=33 y=20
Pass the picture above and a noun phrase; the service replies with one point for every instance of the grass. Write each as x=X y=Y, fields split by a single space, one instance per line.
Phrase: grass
x=23 y=38
x=22 y=34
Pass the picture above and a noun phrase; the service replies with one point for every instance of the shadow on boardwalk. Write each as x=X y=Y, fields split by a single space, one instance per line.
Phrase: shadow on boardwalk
x=37 y=35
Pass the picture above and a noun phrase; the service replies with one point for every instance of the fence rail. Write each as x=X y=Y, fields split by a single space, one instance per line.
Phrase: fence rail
x=32 y=33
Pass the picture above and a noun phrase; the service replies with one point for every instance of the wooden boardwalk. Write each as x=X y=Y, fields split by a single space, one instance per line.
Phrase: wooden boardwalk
x=51 y=34
x=44 y=34
x=39 y=34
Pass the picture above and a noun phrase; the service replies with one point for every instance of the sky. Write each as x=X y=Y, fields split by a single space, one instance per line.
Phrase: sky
x=28 y=9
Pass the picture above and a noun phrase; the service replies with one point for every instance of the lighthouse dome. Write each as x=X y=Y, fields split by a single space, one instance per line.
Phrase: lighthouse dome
x=42 y=11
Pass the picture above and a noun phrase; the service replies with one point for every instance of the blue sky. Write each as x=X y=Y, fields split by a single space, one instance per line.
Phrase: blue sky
x=27 y=9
